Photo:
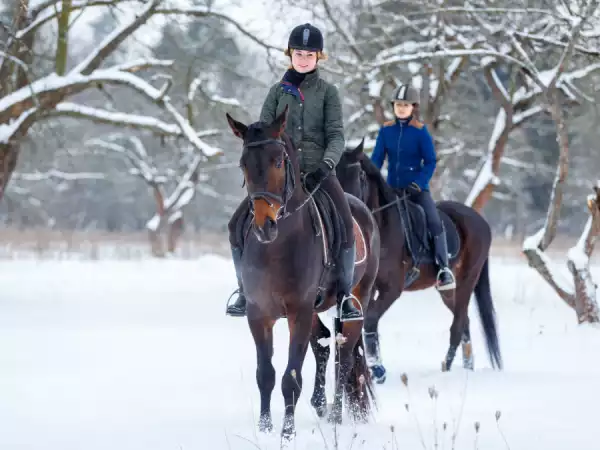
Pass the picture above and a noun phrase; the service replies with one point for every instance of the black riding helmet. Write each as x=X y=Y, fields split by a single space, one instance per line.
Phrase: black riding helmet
x=306 y=37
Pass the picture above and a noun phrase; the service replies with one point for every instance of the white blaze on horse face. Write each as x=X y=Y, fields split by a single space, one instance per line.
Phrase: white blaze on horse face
x=263 y=210
x=303 y=60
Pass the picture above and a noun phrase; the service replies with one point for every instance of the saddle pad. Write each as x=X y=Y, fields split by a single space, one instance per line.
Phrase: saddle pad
x=360 y=243
x=360 y=256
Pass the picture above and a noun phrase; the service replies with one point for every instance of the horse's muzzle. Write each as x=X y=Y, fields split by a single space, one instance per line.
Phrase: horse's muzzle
x=266 y=233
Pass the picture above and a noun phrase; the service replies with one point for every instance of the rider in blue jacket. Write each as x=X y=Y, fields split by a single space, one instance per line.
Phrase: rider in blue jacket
x=408 y=147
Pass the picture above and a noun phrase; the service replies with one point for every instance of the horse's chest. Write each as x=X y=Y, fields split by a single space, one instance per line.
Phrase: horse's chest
x=278 y=275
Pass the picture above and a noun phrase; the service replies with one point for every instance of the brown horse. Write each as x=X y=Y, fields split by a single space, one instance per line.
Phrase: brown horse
x=407 y=264
x=285 y=254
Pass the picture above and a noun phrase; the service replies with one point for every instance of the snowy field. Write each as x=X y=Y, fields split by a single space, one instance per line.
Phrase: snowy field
x=126 y=355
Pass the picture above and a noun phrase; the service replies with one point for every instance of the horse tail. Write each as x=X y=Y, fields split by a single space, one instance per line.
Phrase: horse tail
x=360 y=394
x=483 y=295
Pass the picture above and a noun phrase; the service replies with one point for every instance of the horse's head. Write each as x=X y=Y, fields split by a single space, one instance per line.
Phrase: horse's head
x=269 y=173
x=350 y=173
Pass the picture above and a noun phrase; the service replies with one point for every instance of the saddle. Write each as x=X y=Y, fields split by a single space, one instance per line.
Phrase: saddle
x=418 y=239
x=328 y=223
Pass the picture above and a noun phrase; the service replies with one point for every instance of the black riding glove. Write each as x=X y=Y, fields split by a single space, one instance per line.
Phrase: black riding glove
x=314 y=178
x=413 y=188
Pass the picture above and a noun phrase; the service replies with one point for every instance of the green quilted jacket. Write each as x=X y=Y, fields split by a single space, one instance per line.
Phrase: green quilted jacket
x=315 y=122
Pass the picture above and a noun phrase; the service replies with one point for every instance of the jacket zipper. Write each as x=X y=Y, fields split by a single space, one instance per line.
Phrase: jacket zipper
x=398 y=149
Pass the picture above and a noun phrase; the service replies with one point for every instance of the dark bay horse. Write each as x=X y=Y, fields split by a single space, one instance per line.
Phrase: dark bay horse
x=282 y=270
x=471 y=243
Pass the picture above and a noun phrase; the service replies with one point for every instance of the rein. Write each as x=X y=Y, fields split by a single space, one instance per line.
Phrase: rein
x=364 y=185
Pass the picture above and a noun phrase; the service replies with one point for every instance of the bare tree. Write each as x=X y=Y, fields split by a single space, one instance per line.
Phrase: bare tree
x=532 y=39
x=173 y=188
x=26 y=99
x=582 y=298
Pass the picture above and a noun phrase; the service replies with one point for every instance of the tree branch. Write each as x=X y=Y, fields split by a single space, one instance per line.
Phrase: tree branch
x=50 y=14
x=113 y=40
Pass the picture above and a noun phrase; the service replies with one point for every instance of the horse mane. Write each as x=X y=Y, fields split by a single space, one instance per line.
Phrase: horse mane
x=385 y=192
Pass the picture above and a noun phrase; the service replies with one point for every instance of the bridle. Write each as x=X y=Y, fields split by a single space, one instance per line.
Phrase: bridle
x=364 y=185
x=364 y=189
x=288 y=187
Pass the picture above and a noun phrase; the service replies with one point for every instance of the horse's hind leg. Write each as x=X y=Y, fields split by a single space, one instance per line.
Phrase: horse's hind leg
x=319 y=342
x=300 y=325
x=467 y=348
x=459 y=305
x=262 y=331
x=347 y=335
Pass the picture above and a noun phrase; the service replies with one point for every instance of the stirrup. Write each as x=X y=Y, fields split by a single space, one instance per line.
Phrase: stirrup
x=353 y=319
x=446 y=287
x=227 y=305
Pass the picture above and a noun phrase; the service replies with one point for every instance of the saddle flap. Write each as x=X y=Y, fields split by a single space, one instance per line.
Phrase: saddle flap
x=417 y=235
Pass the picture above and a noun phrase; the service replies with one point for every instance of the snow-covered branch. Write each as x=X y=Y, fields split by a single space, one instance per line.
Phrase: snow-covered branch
x=113 y=40
x=202 y=11
x=115 y=118
x=58 y=175
x=447 y=53
x=51 y=9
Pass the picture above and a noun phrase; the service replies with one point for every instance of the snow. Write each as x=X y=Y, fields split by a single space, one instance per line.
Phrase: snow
x=576 y=253
x=138 y=355
x=499 y=127
x=533 y=242
x=485 y=177
x=117 y=117
x=8 y=130
x=153 y=223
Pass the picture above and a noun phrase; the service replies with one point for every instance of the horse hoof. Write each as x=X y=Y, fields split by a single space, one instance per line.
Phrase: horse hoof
x=288 y=432
x=445 y=367
x=265 y=424
x=378 y=374
x=335 y=418
x=320 y=405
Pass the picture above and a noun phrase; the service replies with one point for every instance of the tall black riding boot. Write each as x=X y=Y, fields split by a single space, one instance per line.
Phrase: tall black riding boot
x=238 y=308
x=346 y=308
x=445 y=277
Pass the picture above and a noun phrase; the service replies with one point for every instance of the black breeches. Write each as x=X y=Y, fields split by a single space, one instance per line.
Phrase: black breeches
x=424 y=199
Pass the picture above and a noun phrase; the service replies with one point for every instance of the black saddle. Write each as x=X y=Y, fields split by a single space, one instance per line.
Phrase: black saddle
x=418 y=238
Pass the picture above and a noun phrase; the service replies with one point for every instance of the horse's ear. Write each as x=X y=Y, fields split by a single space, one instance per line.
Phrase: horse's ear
x=238 y=128
x=278 y=125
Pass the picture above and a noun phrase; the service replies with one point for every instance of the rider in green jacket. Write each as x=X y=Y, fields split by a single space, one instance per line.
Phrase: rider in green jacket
x=315 y=126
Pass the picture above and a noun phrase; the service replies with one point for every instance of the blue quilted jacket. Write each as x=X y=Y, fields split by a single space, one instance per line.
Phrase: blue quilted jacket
x=409 y=149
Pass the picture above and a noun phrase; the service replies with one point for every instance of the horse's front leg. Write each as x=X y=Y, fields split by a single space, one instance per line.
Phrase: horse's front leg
x=320 y=342
x=262 y=332
x=300 y=324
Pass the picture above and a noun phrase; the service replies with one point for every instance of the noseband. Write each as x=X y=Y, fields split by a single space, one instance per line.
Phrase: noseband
x=288 y=186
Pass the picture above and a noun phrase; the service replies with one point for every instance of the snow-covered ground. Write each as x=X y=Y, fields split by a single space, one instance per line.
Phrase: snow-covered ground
x=113 y=355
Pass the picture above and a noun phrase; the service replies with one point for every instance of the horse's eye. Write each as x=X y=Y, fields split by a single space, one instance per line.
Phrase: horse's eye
x=278 y=163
